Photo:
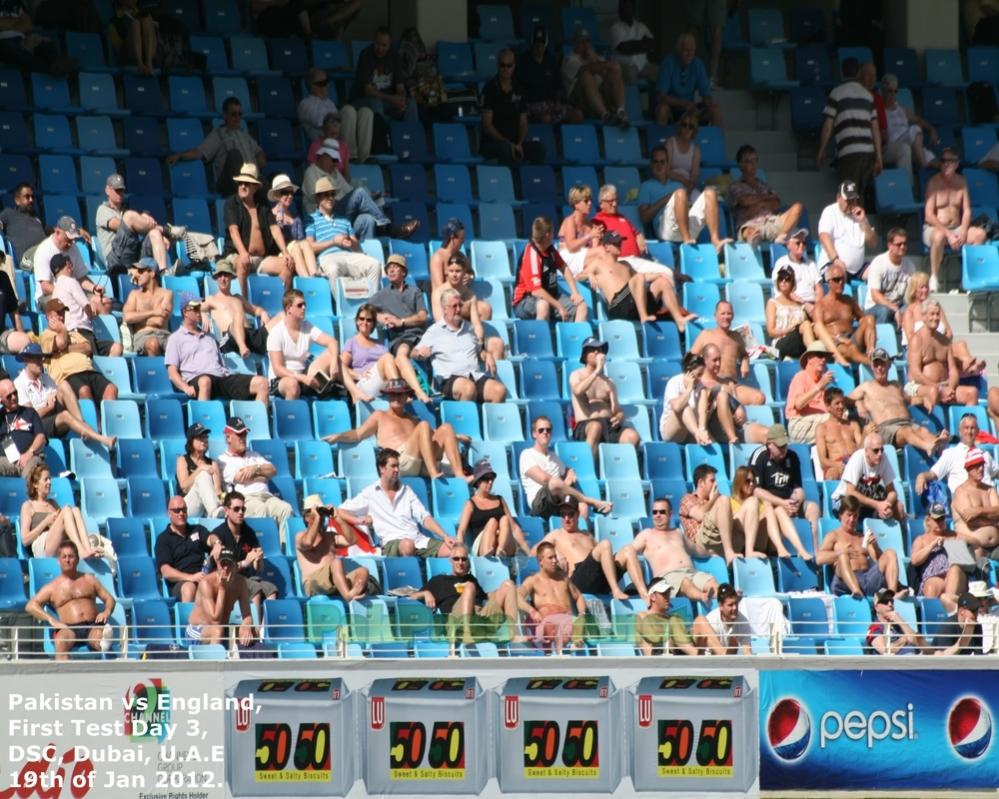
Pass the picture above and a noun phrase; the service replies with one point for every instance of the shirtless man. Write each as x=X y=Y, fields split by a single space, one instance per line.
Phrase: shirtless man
x=706 y=515
x=147 y=310
x=934 y=373
x=724 y=407
x=835 y=314
x=838 y=437
x=319 y=550
x=455 y=277
x=217 y=595
x=599 y=417
x=452 y=240
x=975 y=507
x=593 y=567
x=74 y=597
x=627 y=293
x=862 y=568
x=882 y=402
x=668 y=552
x=420 y=447
x=228 y=310
x=734 y=358
x=553 y=595
x=947 y=214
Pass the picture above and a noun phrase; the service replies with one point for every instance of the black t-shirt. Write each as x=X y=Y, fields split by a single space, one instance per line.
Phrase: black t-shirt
x=506 y=107
x=445 y=594
x=186 y=553
x=23 y=230
x=247 y=540
x=235 y=213
x=950 y=631
x=780 y=478
x=383 y=72
x=8 y=302
x=22 y=426
x=539 y=82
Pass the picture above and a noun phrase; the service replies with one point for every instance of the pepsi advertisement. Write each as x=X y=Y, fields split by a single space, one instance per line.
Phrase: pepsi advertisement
x=850 y=730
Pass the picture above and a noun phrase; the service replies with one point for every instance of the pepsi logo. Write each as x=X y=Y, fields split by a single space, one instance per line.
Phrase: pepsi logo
x=969 y=727
x=789 y=729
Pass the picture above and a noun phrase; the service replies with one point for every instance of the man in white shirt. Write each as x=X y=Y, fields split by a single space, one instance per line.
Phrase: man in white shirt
x=396 y=514
x=63 y=238
x=807 y=280
x=723 y=631
x=950 y=465
x=888 y=280
x=593 y=85
x=869 y=478
x=56 y=405
x=631 y=44
x=546 y=481
x=317 y=104
x=80 y=310
x=289 y=370
x=845 y=232
x=247 y=472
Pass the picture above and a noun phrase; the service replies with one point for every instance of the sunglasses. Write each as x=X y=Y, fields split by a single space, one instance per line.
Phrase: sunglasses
x=178 y=510
x=541 y=430
x=366 y=319
x=876 y=450
x=237 y=509
x=837 y=280
x=287 y=192
x=658 y=512
x=459 y=559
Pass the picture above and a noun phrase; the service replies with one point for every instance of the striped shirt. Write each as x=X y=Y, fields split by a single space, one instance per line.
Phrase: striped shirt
x=851 y=107
x=326 y=228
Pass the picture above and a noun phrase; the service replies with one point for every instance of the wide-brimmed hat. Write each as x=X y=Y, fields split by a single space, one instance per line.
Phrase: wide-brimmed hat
x=777 y=434
x=815 y=348
x=482 y=470
x=323 y=185
x=396 y=386
x=278 y=185
x=248 y=173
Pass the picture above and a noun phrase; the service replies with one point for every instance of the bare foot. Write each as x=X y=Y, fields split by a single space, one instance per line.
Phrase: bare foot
x=805 y=556
x=108 y=441
x=719 y=244
x=902 y=593
x=617 y=593
x=648 y=319
x=244 y=353
x=753 y=553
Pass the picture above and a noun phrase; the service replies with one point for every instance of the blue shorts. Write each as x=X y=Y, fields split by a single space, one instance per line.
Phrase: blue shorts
x=871 y=581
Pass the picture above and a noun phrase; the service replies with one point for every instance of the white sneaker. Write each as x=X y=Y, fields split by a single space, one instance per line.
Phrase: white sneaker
x=106 y=635
x=934 y=284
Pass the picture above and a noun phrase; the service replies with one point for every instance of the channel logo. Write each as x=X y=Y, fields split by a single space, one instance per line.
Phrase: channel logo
x=969 y=727
x=789 y=729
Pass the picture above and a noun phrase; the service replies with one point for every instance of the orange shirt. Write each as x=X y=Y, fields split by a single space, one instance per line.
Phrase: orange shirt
x=800 y=385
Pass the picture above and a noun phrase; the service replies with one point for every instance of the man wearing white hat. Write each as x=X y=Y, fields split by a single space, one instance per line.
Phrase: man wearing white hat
x=252 y=234
x=659 y=631
x=227 y=148
x=335 y=243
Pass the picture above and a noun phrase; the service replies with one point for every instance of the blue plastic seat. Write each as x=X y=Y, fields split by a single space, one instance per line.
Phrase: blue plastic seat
x=537 y=183
x=940 y=107
x=627 y=376
x=753 y=577
x=409 y=142
x=141 y=95
x=700 y=262
x=98 y=93
x=187 y=96
x=501 y=422
x=766 y=27
x=57 y=174
x=893 y=193
x=852 y=615
x=14 y=133
x=144 y=176
x=12 y=595
x=539 y=381
x=496 y=22
x=210 y=413
x=330 y=416
x=212 y=48
x=976 y=142
x=621 y=339
x=811 y=65
x=291 y=420
x=276 y=453
x=903 y=62
x=249 y=55
x=943 y=68
x=312 y=459
x=121 y=418
x=137 y=577
x=496 y=221
x=89 y=459
x=328 y=54
x=254 y=413
x=980 y=267
x=453 y=184
x=100 y=497
x=141 y=136
x=129 y=534
x=747 y=300
x=222 y=17
x=983 y=64
x=95 y=134
x=152 y=624
x=266 y=291
x=51 y=92
x=579 y=145
x=146 y=497
x=618 y=461
x=451 y=142
x=283 y=621
x=622 y=146
x=454 y=61
x=449 y=496
x=808 y=616
x=628 y=498
x=983 y=187
x=52 y=133
x=532 y=338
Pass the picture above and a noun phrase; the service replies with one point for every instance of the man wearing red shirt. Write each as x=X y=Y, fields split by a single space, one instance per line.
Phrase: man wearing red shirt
x=806 y=406
x=537 y=293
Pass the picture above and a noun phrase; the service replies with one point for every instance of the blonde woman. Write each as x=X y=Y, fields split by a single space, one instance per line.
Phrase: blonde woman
x=44 y=525
x=576 y=234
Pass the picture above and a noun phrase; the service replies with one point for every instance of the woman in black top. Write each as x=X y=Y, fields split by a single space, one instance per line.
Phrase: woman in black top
x=199 y=479
x=494 y=531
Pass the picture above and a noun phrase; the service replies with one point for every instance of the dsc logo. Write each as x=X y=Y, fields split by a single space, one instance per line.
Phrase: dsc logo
x=789 y=729
x=969 y=727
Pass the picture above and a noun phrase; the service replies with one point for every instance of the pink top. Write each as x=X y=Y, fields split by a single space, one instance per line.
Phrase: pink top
x=800 y=385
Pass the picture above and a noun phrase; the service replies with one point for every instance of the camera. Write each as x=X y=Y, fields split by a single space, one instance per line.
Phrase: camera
x=325 y=512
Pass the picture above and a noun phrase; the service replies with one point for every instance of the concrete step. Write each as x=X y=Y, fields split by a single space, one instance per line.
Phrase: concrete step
x=766 y=142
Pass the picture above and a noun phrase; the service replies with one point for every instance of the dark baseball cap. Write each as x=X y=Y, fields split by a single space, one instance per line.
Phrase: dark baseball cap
x=592 y=343
x=969 y=602
x=235 y=424
x=880 y=354
x=937 y=511
x=68 y=226
x=848 y=190
x=540 y=35
x=884 y=595
x=197 y=430
x=227 y=555
x=611 y=237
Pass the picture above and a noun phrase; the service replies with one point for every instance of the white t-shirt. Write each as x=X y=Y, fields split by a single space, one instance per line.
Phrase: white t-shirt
x=42 y=263
x=69 y=290
x=737 y=633
x=675 y=388
x=806 y=277
x=950 y=466
x=549 y=464
x=858 y=471
x=571 y=65
x=296 y=353
x=620 y=32
x=848 y=238
x=890 y=280
x=231 y=464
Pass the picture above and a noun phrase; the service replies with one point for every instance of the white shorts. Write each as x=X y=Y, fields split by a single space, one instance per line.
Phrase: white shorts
x=668 y=228
x=371 y=382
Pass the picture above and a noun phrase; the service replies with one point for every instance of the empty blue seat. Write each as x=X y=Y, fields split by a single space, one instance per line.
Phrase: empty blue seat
x=98 y=93
x=141 y=94
x=943 y=68
x=454 y=61
x=768 y=70
x=980 y=267
x=409 y=141
x=501 y=422
x=811 y=65
x=329 y=417
x=579 y=144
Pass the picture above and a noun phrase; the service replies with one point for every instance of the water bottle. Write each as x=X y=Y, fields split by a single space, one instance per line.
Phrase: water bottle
x=206 y=564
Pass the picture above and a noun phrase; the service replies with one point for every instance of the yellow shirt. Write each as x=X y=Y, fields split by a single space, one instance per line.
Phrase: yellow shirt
x=65 y=364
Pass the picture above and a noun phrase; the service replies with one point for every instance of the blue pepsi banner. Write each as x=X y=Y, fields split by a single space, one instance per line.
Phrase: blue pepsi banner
x=859 y=730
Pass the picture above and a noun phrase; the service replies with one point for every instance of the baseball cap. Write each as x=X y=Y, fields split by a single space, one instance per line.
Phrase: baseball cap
x=189 y=300
x=115 y=181
x=235 y=424
x=777 y=433
x=32 y=350
x=330 y=147
x=227 y=555
x=800 y=233
x=540 y=35
x=610 y=237
x=592 y=343
x=970 y=602
x=68 y=226
x=147 y=263
x=660 y=587
x=880 y=354
x=974 y=457
x=197 y=430
x=55 y=305
x=937 y=511
x=883 y=596
x=224 y=267
x=848 y=190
